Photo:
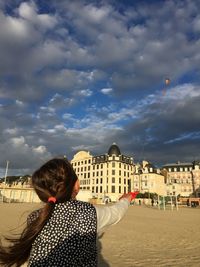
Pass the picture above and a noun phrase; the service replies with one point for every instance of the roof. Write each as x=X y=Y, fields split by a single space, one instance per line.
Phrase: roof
x=178 y=164
x=114 y=150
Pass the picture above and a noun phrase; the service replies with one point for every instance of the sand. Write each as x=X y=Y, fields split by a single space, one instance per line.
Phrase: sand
x=145 y=237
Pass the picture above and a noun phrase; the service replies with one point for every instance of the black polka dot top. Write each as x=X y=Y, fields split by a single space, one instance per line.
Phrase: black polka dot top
x=68 y=239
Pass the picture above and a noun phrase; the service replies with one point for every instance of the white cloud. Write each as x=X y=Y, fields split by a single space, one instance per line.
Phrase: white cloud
x=18 y=141
x=11 y=131
x=17 y=27
x=60 y=127
x=85 y=93
x=68 y=116
x=106 y=91
x=94 y=14
x=40 y=150
x=178 y=95
x=58 y=101
x=19 y=103
x=29 y=11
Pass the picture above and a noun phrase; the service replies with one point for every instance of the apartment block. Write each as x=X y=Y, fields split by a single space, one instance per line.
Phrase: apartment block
x=182 y=178
x=107 y=175
x=148 y=179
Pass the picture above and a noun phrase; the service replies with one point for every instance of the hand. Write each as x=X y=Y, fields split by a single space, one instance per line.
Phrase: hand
x=134 y=194
x=130 y=196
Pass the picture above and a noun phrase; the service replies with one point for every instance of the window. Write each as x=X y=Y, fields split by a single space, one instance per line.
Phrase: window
x=113 y=172
x=100 y=189
x=113 y=180
x=113 y=189
x=113 y=164
x=89 y=161
x=120 y=180
x=120 y=189
x=120 y=173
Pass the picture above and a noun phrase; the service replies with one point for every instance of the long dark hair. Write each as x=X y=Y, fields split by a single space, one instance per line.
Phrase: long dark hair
x=55 y=178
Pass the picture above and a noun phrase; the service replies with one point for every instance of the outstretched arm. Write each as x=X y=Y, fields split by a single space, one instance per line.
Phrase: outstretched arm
x=109 y=215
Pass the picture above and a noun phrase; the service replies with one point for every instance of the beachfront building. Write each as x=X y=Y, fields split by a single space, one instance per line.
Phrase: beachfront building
x=148 y=179
x=107 y=175
x=182 y=178
x=82 y=164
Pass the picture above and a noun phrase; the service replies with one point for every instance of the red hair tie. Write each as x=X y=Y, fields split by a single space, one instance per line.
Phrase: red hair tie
x=52 y=199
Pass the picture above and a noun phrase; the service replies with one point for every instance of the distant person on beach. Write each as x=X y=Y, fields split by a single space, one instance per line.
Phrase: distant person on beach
x=64 y=231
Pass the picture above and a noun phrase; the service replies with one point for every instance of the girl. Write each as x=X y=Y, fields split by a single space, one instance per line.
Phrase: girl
x=64 y=231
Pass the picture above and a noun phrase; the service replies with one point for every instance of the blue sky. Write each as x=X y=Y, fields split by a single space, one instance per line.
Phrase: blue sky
x=80 y=75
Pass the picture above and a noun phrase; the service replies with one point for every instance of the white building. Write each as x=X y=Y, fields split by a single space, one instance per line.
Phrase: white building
x=106 y=175
x=148 y=179
x=183 y=178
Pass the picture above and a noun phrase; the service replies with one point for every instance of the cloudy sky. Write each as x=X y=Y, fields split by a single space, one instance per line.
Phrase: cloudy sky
x=80 y=75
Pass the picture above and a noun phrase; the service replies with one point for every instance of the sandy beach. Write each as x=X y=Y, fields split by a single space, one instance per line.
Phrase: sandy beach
x=145 y=237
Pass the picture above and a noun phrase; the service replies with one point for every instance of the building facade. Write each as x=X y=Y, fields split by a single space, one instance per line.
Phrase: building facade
x=107 y=175
x=148 y=179
x=182 y=179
